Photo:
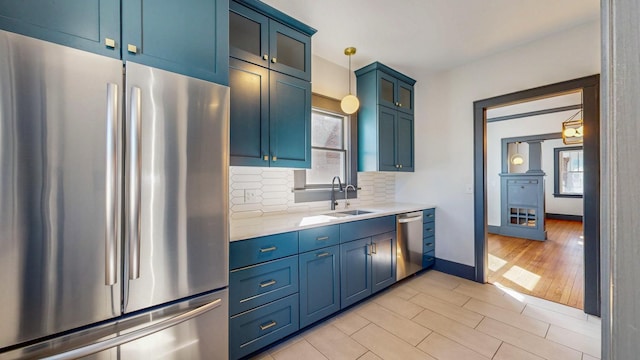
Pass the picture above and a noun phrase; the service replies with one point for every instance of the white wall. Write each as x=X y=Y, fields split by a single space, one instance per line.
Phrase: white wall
x=444 y=124
x=533 y=125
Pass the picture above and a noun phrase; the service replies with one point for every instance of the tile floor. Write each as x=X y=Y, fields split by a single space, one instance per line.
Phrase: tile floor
x=439 y=316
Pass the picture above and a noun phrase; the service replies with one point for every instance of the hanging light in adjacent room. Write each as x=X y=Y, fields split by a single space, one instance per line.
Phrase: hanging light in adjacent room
x=350 y=103
x=573 y=130
x=517 y=158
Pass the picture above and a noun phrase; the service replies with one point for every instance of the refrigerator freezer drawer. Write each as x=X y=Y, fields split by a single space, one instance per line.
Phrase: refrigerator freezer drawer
x=192 y=329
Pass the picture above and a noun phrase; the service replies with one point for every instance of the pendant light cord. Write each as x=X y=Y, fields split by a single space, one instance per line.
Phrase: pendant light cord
x=349 y=74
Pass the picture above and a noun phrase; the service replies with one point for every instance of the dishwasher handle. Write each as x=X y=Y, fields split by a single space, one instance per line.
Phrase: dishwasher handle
x=404 y=220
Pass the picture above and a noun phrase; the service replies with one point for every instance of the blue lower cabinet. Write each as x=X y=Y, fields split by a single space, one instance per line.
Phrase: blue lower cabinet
x=429 y=244
x=254 y=329
x=428 y=259
x=429 y=229
x=355 y=277
x=383 y=261
x=259 y=284
x=319 y=284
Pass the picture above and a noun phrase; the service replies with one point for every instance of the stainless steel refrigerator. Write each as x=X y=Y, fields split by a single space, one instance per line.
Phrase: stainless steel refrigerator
x=113 y=207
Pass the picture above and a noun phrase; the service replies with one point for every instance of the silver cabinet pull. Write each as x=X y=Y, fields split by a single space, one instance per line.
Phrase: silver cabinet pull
x=135 y=157
x=375 y=248
x=322 y=238
x=324 y=254
x=268 y=325
x=132 y=48
x=265 y=57
x=429 y=244
x=274 y=158
x=274 y=60
x=268 y=283
x=271 y=248
x=368 y=249
x=400 y=166
x=265 y=157
x=111 y=174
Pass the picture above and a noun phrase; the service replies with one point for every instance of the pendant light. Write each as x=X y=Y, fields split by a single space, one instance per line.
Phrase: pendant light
x=350 y=103
x=573 y=130
x=517 y=158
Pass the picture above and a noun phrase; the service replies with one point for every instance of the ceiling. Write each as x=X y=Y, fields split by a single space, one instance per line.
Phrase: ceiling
x=431 y=35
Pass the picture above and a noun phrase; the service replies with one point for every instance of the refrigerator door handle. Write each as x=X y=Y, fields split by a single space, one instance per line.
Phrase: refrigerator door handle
x=134 y=335
x=135 y=145
x=111 y=173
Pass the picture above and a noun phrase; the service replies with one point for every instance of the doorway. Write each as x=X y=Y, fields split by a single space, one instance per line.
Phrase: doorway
x=590 y=94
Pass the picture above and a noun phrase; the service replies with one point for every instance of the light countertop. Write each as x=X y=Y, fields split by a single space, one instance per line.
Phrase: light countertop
x=241 y=229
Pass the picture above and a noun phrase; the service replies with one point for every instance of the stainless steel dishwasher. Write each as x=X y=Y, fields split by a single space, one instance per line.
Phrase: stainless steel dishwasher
x=409 y=247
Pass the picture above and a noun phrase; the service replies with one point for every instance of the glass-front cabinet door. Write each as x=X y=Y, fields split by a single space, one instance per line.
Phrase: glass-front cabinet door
x=290 y=51
x=405 y=97
x=387 y=89
x=248 y=35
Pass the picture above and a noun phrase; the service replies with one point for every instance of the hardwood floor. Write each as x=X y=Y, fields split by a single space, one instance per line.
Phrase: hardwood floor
x=551 y=269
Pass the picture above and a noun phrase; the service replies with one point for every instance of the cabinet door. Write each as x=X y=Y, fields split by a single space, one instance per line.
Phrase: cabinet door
x=404 y=142
x=387 y=139
x=387 y=90
x=355 y=271
x=319 y=284
x=186 y=37
x=405 y=97
x=290 y=51
x=88 y=25
x=248 y=35
x=289 y=121
x=383 y=261
x=249 y=114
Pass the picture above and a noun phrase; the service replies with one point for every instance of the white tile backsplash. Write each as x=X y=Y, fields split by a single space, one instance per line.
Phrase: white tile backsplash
x=273 y=195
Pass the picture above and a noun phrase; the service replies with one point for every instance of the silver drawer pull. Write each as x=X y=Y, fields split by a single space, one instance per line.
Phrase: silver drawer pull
x=323 y=254
x=272 y=248
x=429 y=244
x=267 y=283
x=322 y=238
x=268 y=325
x=430 y=215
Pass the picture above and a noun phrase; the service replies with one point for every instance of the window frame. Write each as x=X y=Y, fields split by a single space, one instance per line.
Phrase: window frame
x=556 y=170
x=319 y=192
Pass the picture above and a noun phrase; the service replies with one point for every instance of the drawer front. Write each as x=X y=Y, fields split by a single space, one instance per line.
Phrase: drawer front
x=312 y=239
x=257 y=285
x=429 y=244
x=364 y=228
x=428 y=259
x=429 y=215
x=429 y=229
x=253 y=251
x=262 y=326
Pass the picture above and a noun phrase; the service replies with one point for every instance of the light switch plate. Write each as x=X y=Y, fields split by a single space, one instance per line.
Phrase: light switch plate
x=250 y=196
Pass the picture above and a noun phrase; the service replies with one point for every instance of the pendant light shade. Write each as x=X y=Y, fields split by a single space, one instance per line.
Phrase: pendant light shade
x=350 y=103
x=573 y=130
x=517 y=158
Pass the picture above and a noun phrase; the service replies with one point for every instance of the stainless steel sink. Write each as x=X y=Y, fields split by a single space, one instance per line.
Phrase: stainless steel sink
x=348 y=213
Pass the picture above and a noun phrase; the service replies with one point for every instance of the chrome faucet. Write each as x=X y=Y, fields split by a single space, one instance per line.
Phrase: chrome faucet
x=334 y=202
x=346 y=192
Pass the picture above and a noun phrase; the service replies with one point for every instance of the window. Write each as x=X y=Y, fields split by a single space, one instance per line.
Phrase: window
x=569 y=172
x=333 y=152
x=328 y=148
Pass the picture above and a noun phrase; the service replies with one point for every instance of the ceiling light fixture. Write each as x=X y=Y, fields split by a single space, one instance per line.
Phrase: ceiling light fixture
x=517 y=158
x=350 y=103
x=573 y=130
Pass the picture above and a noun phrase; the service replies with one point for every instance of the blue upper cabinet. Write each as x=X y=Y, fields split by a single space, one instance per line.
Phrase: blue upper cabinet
x=270 y=73
x=385 y=119
x=264 y=36
x=90 y=25
x=186 y=37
